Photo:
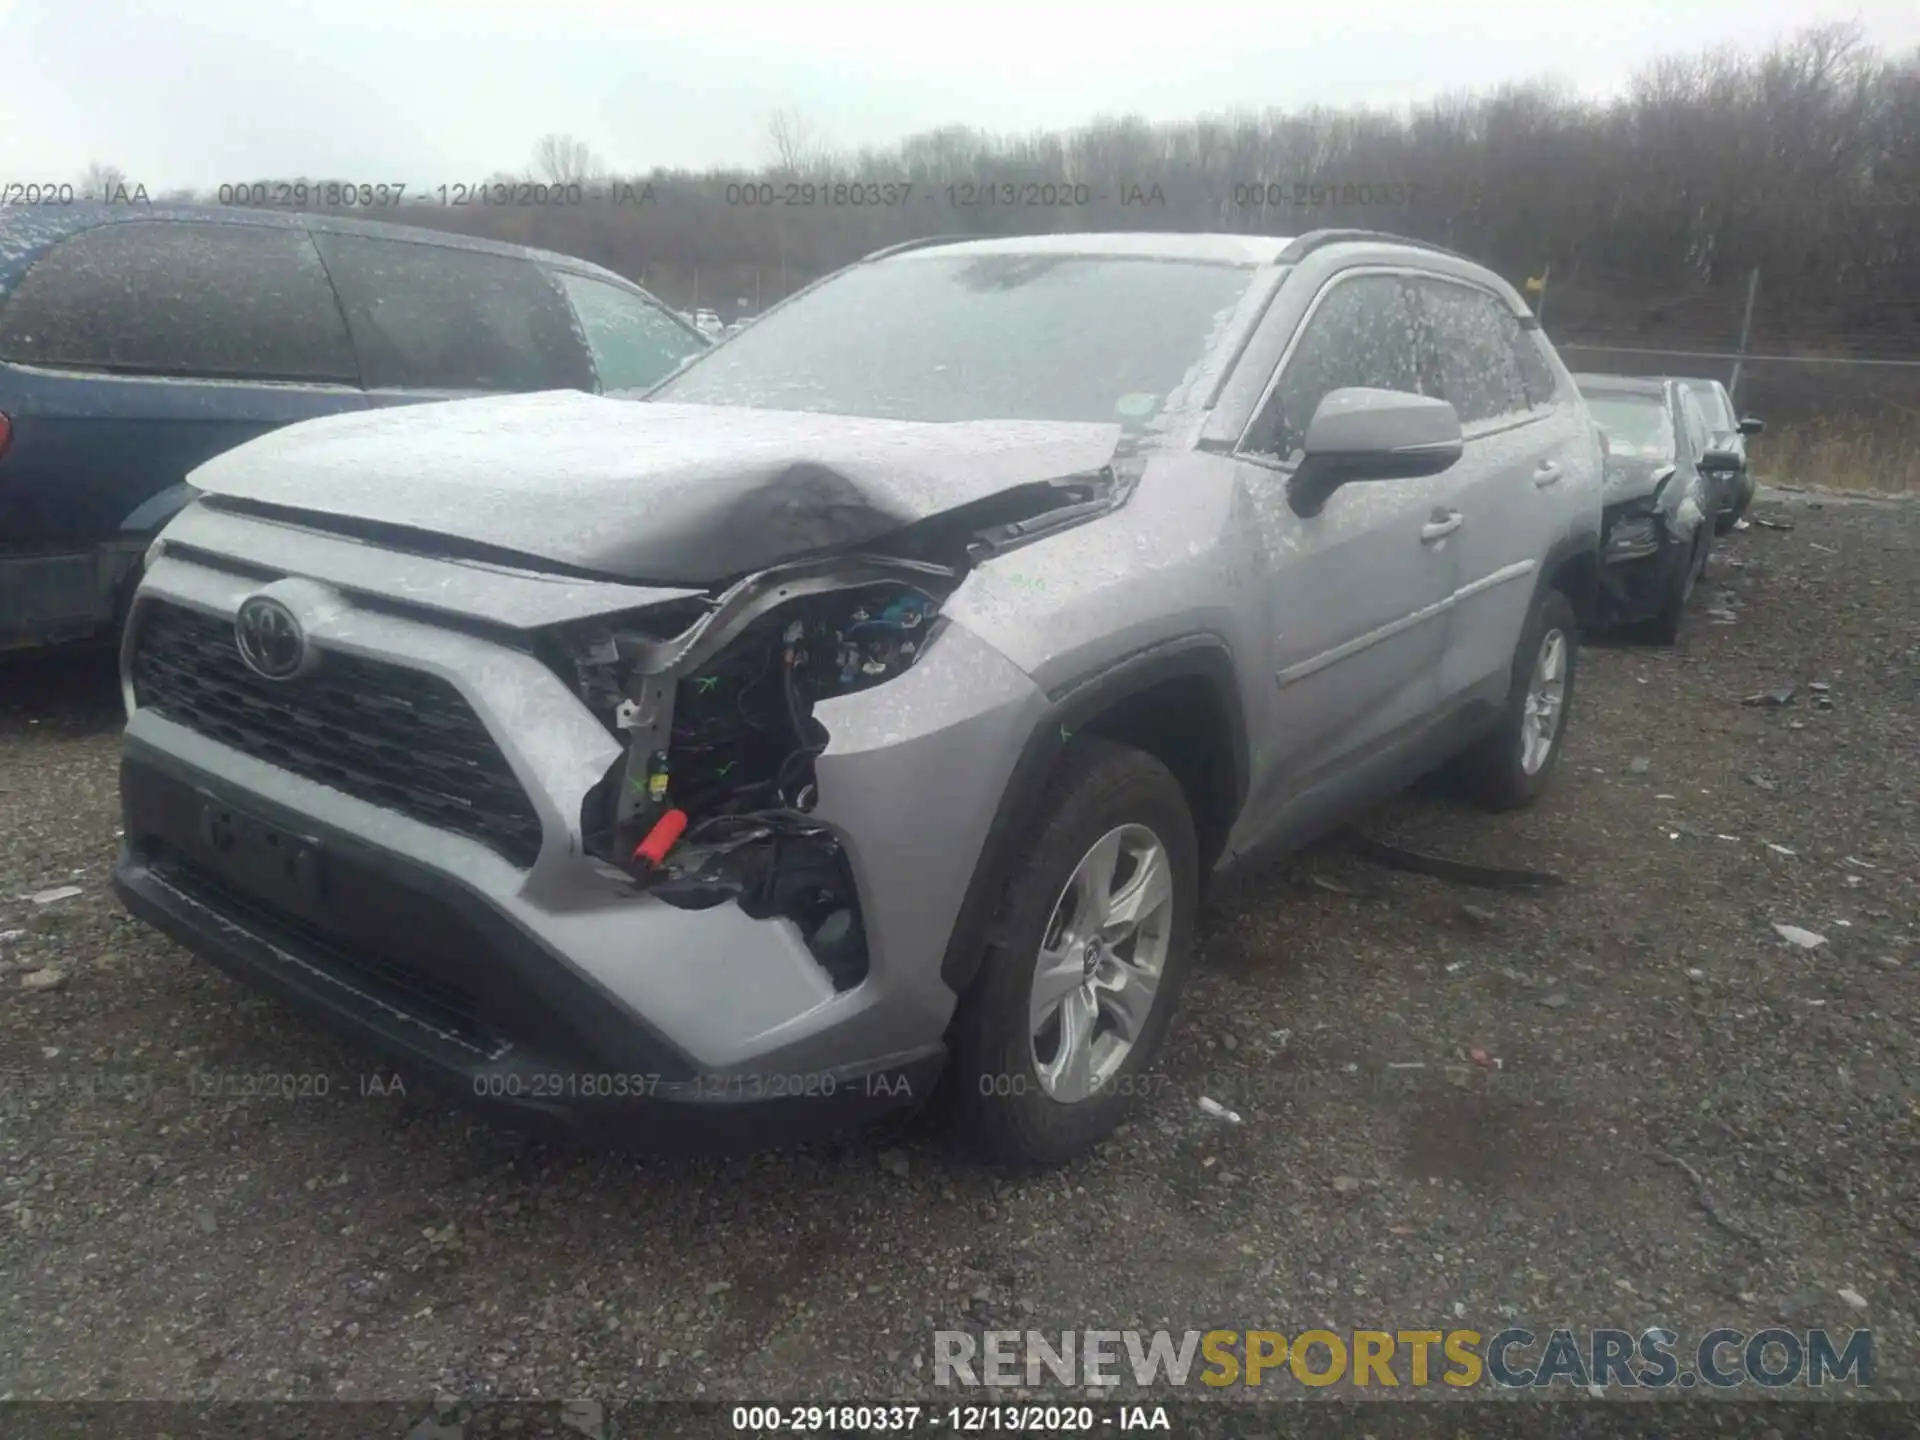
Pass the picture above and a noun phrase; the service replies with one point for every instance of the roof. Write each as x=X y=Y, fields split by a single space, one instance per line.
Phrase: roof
x=28 y=231
x=1218 y=249
x=1653 y=386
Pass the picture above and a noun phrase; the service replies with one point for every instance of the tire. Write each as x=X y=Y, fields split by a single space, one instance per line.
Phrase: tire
x=116 y=632
x=1005 y=1104
x=1665 y=626
x=1495 y=774
x=1723 y=523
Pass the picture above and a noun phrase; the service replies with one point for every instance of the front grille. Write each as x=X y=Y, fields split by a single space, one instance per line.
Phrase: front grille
x=387 y=734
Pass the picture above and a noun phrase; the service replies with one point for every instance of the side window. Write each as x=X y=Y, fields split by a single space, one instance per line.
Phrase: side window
x=1479 y=372
x=431 y=317
x=153 y=297
x=1695 y=423
x=634 y=344
x=1361 y=333
x=1715 y=408
x=1536 y=376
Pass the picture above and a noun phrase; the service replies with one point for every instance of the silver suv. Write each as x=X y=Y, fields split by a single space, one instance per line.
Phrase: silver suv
x=874 y=700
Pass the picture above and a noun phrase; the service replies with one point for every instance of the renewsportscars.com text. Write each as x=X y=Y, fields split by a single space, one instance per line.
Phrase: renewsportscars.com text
x=1720 y=1359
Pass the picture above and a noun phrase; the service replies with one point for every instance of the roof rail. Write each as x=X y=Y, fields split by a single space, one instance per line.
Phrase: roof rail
x=918 y=244
x=1303 y=245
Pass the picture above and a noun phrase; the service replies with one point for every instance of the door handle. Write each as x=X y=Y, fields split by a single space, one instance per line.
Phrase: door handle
x=1443 y=524
x=1547 y=474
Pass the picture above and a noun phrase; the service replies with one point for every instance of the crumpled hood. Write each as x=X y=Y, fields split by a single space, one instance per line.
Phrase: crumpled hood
x=679 y=494
x=1630 y=477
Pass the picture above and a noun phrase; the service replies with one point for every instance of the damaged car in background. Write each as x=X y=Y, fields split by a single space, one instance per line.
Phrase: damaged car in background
x=1661 y=496
x=870 y=704
x=1727 y=433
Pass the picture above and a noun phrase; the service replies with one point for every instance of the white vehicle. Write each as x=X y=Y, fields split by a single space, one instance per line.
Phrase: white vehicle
x=707 y=322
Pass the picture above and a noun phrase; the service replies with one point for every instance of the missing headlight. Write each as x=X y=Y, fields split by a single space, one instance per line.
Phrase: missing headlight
x=712 y=798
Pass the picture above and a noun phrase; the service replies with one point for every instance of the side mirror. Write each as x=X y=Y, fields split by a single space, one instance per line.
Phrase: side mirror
x=1751 y=426
x=1360 y=434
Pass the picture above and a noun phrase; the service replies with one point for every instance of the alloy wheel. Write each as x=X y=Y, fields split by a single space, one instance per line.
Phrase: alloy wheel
x=1546 y=701
x=1098 y=973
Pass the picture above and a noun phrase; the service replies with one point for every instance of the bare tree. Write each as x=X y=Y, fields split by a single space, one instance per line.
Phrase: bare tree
x=797 y=146
x=1652 y=208
x=564 y=160
x=102 y=181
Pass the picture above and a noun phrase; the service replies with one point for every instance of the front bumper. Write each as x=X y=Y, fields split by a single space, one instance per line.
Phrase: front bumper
x=417 y=969
x=1638 y=575
x=447 y=956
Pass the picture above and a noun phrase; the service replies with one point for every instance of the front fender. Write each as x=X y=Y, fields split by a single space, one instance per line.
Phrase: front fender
x=1070 y=707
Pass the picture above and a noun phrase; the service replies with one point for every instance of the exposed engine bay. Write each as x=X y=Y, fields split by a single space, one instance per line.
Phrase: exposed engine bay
x=712 y=800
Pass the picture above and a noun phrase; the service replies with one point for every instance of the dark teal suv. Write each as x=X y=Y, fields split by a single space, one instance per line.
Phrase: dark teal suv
x=137 y=342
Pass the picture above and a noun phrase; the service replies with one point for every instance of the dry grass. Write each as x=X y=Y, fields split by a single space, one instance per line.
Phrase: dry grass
x=1843 y=454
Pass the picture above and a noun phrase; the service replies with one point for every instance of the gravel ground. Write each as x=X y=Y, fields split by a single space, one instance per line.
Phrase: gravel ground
x=1649 y=1027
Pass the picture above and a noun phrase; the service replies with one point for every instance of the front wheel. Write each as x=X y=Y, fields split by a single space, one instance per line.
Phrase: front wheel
x=1743 y=497
x=1091 y=945
x=1510 y=767
x=1665 y=626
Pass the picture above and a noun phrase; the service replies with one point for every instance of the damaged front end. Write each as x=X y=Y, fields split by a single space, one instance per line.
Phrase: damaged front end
x=1643 y=540
x=713 y=796
x=712 y=799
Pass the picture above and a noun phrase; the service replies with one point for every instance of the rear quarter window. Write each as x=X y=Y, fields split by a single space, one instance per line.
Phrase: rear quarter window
x=634 y=344
x=216 y=301
x=431 y=317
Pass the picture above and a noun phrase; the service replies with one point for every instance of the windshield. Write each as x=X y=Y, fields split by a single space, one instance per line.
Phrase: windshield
x=1636 y=425
x=984 y=337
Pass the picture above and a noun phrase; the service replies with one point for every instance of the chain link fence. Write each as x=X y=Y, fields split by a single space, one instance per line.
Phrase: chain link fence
x=1840 y=399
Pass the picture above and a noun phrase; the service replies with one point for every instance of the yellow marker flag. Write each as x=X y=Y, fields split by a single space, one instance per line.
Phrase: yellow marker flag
x=1536 y=284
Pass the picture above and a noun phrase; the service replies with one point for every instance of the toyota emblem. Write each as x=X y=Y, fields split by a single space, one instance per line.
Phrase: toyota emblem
x=270 y=639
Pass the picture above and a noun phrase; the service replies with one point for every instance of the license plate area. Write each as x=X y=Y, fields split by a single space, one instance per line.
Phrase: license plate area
x=279 y=866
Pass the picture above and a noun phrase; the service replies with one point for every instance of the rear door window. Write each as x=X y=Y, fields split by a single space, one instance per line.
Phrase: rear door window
x=432 y=317
x=1479 y=372
x=634 y=344
x=165 y=297
x=1360 y=334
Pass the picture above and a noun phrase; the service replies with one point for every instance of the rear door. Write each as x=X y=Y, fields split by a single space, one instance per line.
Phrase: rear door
x=130 y=353
x=437 y=322
x=1507 y=486
x=634 y=343
x=1356 y=593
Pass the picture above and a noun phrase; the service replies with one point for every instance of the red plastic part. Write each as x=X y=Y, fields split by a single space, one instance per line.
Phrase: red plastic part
x=665 y=834
x=6 y=432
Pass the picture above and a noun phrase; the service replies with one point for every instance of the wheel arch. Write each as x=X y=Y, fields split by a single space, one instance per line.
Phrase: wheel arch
x=1179 y=701
x=1572 y=567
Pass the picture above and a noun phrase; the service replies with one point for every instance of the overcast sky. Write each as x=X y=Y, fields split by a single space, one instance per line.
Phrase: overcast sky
x=431 y=92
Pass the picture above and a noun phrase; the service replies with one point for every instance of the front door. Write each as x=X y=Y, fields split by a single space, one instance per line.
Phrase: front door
x=1358 y=593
